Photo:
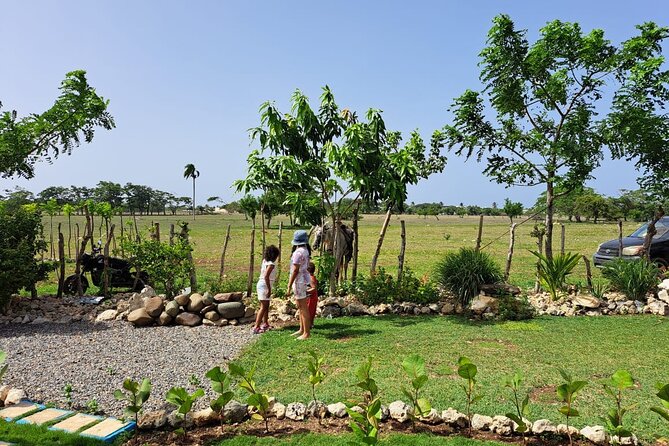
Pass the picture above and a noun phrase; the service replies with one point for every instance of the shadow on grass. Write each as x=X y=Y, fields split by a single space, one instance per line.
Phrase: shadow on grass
x=336 y=330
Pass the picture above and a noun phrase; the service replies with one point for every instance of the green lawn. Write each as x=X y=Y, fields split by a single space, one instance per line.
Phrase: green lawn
x=28 y=435
x=427 y=241
x=344 y=440
x=589 y=348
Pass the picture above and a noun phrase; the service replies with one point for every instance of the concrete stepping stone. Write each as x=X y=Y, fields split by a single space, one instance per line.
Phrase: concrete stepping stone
x=45 y=416
x=108 y=429
x=4 y=443
x=15 y=411
x=76 y=422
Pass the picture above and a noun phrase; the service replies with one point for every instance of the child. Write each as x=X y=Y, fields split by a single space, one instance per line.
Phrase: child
x=312 y=293
x=264 y=288
x=299 y=280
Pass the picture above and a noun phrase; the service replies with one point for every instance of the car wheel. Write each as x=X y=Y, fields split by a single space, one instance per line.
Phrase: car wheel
x=661 y=263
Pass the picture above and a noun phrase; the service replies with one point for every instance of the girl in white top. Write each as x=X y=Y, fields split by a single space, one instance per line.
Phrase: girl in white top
x=300 y=280
x=264 y=288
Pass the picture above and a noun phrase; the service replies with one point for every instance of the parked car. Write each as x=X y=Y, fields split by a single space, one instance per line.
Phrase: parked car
x=632 y=245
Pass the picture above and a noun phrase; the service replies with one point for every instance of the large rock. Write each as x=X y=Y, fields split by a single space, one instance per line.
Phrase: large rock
x=231 y=310
x=172 y=308
x=399 y=411
x=182 y=299
x=14 y=396
x=234 y=412
x=204 y=417
x=664 y=285
x=140 y=318
x=659 y=308
x=154 y=306
x=499 y=289
x=502 y=425
x=196 y=303
x=448 y=308
x=188 y=319
x=481 y=422
x=482 y=303
x=337 y=410
x=454 y=418
x=431 y=417
x=279 y=411
x=164 y=319
x=296 y=411
x=228 y=297
x=207 y=298
x=135 y=302
x=663 y=294
x=596 y=434
x=355 y=309
x=625 y=441
x=543 y=427
x=586 y=301
x=106 y=316
x=331 y=311
x=153 y=420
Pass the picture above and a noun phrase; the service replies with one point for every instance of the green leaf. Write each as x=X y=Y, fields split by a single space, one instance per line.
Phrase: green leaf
x=563 y=392
x=419 y=382
x=119 y=395
x=570 y=412
x=576 y=386
x=622 y=379
x=661 y=412
x=423 y=406
x=374 y=408
x=467 y=371
x=566 y=376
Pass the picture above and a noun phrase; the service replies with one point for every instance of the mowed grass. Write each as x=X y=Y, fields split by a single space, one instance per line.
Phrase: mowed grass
x=346 y=440
x=428 y=239
x=29 y=435
x=589 y=348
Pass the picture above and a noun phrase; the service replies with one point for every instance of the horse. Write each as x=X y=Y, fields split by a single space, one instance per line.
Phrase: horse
x=324 y=236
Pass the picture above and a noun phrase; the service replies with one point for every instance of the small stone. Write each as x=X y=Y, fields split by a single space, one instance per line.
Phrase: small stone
x=337 y=410
x=357 y=409
x=40 y=320
x=135 y=302
x=561 y=429
x=172 y=308
x=664 y=285
x=233 y=322
x=164 y=319
x=147 y=292
x=447 y=308
x=26 y=319
x=196 y=303
x=399 y=411
x=330 y=311
x=4 y=391
x=207 y=298
x=432 y=417
x=385 y=412
x=182 y=300
x=502 y=425
x=212 y=316
x=234 y=412
x=207 y=309
x=482 y=303
x=279 y=411
x=663 y=294
x=188 y=319
x=14 y=396
x=140 y=318
x=543 y=426
x=221 y=322
x=317 y=409
x=586 y=301
x=596 y=434
x=154 y=306
x=355 y=309
x=107 y=315
x=208 y=323
x=625 y=441
x=296 y=411
x=250 y=312
x=204 y=417
x=454 y=418
x=481 y=422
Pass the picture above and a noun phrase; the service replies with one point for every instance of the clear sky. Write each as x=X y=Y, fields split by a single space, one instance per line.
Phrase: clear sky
x=186 y=78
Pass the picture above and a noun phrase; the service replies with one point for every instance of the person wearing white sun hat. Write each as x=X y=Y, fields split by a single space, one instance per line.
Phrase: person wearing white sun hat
x=300 y=279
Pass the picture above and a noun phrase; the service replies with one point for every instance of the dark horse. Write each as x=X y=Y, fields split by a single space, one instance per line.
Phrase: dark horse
x=324 y=235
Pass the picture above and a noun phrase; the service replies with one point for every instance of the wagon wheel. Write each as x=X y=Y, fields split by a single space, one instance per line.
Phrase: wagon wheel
x=70 y=284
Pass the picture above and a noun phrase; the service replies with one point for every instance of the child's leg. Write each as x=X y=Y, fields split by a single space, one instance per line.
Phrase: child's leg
x=262 y=312
x=265 y=318
x=259 y=316
x=305 y=318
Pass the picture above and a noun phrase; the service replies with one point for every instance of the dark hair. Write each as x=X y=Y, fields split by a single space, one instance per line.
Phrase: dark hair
x=307 y=245
x=311 y=267
x=271 y=253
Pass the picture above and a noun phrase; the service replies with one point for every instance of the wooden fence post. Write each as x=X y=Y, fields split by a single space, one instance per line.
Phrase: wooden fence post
x=562 y=238
x=61 y=259
x=105 y=271
x=400 y=258
x=382 y=234
x=588 y=272
x=225 y=248
x=540 y=241
x=156 y=230
x=172 y=234
x=480 y=234
x=509 y=256
x=354 y=272
x=620 y=238
x=249 y=283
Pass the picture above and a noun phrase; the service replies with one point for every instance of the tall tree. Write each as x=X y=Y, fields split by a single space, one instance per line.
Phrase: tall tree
x=76 y=114
x=549 y=99
x=191 y=172
x=512 y=209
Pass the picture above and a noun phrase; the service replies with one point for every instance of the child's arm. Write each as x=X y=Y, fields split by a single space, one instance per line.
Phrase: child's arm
x=268 y=273
x=313 y=284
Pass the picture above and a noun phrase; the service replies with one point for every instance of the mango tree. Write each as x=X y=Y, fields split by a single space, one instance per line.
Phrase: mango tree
x=546 y=121
x=333 y=154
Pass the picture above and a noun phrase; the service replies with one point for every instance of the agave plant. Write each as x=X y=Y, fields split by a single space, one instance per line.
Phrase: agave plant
x=553 y=271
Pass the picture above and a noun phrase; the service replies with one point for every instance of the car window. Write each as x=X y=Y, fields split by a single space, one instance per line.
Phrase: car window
x=662 y=228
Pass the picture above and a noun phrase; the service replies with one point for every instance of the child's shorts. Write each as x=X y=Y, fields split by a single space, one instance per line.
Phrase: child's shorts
x=262 y=291
x=300 y=290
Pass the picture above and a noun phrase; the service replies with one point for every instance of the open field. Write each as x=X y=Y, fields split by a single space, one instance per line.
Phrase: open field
x=428 y=239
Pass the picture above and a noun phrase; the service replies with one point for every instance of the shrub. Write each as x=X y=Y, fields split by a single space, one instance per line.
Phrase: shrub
x=463 y=273
x=513 y=308
x=19 y=245
x=325 y=263
x=381 y=287
x=216 y=285
x=378 y=288
x=135 y=394
x=633 y=278
x=553 y=272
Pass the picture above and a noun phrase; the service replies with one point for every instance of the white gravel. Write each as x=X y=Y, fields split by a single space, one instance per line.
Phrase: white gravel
x=95 y=359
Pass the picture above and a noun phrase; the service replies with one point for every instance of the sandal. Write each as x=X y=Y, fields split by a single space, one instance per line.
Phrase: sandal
x=266 y=327
x=257 y=331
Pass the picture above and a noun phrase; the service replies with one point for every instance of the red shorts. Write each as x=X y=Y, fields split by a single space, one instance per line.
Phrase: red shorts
x=312 y=303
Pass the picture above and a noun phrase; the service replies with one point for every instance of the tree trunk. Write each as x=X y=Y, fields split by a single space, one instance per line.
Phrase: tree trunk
x=620 y=238
x=122 y=234
x=335 y=252
x=249 y=282
x=137 y=237
x=61 y=260
x=509 y=256
x=562 y=238
x=225 y=248
x=354 y=273
x=480 y=233
x=105 y=272
x=52 y=250
x=550 y=209
x=262 y=224
x=88 y=234
x=193 y=198
x=278 y=261
x=650 y=233
x=537 y=284
x=69 y=236
x=382 y=234
x=400 y=258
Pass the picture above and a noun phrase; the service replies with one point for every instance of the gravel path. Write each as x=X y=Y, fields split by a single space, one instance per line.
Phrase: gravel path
x=95 y=359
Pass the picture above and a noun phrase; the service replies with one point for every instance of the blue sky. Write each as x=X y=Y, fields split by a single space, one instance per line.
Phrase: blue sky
x=185 y=79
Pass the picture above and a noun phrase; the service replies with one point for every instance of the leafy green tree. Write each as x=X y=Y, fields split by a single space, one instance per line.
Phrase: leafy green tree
x=108 y=192
x=549 y=99
x=250 y=206
x=512 y=209
x=57 y=193
x=51 y=208
x=191 y=172
x=76 y=114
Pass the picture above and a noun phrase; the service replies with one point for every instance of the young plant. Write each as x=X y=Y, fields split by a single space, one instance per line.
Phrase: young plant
x=67 y=393
x=365 y=425
x=567 y=392
x=414 y=366
x=256 y=399
x=92 y=406
x=663 y=395
x=618 y=382
x=135 y=394
x=468 y=371
x=220 y=382
x=182 y=400
x=316 y=374
x=3 y=366
x=553 y=272
x=515 y=383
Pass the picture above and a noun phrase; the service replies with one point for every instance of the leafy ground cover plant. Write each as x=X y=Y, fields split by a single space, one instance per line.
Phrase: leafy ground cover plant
x=634 y=278
x=316 y=373
x=620 y=381
x=3 y=365
x=463 y=272
x=382 y=287
x=256 y=399
x=365 y=426
x=663 y=395
x=67 y=393
x=182 y=400
x=553 y=271
x=513 y=308
x=522 y=408
x=220 y=383
x=468 y=371
x=567 y=393
x=135 y=394
x=414 y=366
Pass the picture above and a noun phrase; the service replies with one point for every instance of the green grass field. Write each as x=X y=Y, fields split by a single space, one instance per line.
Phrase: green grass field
x=428 y=239
x=589 y=348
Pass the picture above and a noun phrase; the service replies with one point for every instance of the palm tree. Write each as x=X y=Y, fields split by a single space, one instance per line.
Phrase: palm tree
x=191 y=172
